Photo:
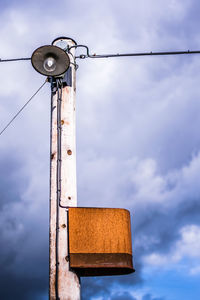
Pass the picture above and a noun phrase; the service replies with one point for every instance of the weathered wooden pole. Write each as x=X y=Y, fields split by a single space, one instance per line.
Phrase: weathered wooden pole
x=87 y=258
x=64 y=283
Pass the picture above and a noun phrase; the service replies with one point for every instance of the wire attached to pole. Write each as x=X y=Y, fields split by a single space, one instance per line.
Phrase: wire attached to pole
x=58 y=90
x=145 y=54
x=14 y=59
x=16 y=115
x=88 y=55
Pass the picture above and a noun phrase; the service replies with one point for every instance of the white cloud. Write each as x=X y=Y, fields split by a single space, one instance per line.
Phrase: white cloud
x=189 y=245
x=186 y=248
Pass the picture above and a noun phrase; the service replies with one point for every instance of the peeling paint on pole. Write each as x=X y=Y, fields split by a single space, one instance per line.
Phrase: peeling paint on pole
x=68 y=281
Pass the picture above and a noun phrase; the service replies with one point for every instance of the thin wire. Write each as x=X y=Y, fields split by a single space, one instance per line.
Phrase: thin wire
x=59 y=86
x=15 y=116
x=88 y=55
x=58 y=90
x=14 y=59
x=145 y=54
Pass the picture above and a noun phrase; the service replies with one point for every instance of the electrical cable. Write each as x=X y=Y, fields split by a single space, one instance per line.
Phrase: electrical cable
x=58 y=90
x=145 y=54
x=59 y=86
x=16 y=115
x=88 y=55
x=14 y=59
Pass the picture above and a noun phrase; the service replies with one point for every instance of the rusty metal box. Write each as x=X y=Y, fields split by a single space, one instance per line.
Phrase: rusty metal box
x=100 y=241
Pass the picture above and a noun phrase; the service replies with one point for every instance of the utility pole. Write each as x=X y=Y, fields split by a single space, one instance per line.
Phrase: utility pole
x=78 y=243
x=64 y=283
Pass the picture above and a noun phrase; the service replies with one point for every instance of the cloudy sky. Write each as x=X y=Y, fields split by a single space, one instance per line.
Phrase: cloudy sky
x=138 y=142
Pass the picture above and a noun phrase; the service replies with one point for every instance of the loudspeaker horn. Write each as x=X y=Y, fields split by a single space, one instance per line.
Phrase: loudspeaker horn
x=50 y=60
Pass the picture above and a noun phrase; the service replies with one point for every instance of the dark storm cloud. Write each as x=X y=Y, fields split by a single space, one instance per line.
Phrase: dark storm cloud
x=158 y=231
x=12 y=182
x=23 y=254
x=21 y=288
x=94 y=287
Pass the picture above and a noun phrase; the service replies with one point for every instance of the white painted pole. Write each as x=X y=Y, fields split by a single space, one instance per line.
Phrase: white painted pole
x=64 y=284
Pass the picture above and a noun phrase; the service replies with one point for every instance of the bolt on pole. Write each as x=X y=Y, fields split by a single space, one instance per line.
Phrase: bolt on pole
x=64 y=284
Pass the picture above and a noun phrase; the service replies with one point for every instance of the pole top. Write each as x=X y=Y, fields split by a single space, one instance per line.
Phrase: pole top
x=61 y=42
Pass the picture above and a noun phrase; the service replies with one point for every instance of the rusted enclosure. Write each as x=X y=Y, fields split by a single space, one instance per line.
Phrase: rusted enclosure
x=100 y=241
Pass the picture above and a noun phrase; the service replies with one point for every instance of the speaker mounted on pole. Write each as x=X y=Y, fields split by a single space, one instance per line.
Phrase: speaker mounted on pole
x=50 y=60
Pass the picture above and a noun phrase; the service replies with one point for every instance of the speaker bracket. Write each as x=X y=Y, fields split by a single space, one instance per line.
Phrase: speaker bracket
x=67 y=80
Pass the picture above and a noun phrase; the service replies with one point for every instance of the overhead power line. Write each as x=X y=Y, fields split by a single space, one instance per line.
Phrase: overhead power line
x=14 y=59
x=88 y=55
x=143 y=54
x=16 y=115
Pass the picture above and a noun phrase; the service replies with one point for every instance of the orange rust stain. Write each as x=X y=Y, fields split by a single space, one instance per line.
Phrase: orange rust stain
x=99 y=230
x=69 y=152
